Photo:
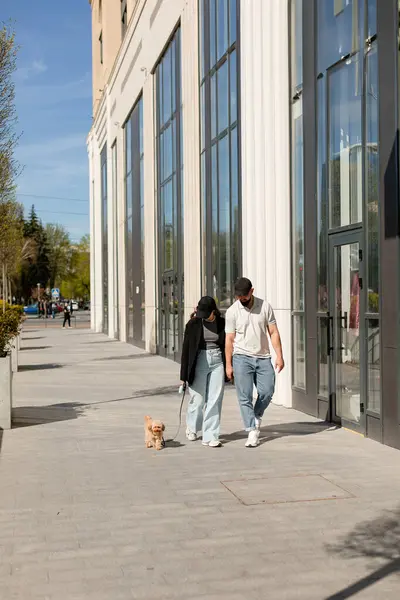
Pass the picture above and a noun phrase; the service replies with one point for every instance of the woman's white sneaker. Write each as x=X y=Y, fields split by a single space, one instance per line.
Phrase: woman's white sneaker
x=253 y=439
x=213 y=444
x=192 y=437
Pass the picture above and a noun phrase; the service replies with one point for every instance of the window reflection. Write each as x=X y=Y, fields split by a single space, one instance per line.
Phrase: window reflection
x=345 y=144
x=340 y=30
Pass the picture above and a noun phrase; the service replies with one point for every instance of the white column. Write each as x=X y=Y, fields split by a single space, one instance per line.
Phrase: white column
x=266 y=165
x=91 y=212
x=191 y=155
x=110 y=227
x=98 y=242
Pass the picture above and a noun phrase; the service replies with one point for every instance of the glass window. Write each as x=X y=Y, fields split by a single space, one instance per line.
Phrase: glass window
x=374 y=368
x=345 y=143
x=372 y=178
x=322 y=199
x=223 y=98
x=219 y=146
x=170 y=203
x=372 y=22
x=297 y=43
x=297 y=152
x=340 y=30
x=323 y=357
x=222 y=27
x=134 y=200
x=299 y=352
x=232 y=21
x=298 y=207
x=104 y=222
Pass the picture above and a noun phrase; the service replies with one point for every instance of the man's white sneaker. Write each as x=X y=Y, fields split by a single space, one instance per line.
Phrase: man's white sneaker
x=213 y=444
x=192 y=437
x=253 y=439
x=258 y=423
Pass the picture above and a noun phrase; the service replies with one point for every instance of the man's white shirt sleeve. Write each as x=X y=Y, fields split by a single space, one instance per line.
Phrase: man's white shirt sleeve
x=230 y=320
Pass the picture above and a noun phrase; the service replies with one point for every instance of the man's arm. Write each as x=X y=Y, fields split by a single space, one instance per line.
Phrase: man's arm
x=277 y=346
x=230 y=338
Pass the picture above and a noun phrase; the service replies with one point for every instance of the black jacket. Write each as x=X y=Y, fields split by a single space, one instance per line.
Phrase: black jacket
x=192 y=342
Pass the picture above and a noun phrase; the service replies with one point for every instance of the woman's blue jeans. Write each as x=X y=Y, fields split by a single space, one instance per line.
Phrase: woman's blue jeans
x=206 y=394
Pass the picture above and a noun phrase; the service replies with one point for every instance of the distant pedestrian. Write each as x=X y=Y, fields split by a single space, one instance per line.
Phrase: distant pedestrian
x=249 y=322
x=67 y=315
x=53 y=309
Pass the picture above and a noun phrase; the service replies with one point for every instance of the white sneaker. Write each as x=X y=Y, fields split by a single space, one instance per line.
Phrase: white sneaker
x=192 y=437
x=258 y=423
x=253 y=439
x=213 y=444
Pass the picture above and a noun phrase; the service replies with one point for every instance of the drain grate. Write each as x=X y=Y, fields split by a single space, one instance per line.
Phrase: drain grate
x=281 y=490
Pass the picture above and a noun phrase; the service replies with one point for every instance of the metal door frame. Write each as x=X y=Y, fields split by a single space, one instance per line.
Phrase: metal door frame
x=337 y=240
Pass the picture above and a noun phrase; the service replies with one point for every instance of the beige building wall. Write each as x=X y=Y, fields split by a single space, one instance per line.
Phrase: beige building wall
x=151 y=25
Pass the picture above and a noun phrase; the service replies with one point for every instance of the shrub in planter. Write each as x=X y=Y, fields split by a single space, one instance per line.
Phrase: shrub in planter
x=10 y=324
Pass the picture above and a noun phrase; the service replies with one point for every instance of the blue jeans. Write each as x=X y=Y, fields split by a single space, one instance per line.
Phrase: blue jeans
x=249 y=371
x=206 y=394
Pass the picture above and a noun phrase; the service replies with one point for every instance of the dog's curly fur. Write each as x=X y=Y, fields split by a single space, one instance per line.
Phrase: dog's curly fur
x=153 y=433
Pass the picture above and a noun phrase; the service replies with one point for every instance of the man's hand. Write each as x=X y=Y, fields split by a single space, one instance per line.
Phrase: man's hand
x=229 y=372
x=279 y=364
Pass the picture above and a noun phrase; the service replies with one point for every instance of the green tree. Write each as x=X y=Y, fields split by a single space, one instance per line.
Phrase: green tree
x=60 y=253
x=77 y=282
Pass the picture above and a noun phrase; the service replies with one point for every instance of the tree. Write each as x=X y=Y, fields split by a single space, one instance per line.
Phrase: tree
x=77 y=282
x=59 y=253
x=11 y=241
x=36 y=269
x=9 y=166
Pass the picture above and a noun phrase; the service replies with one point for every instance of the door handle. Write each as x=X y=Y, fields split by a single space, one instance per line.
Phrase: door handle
x=329 y=333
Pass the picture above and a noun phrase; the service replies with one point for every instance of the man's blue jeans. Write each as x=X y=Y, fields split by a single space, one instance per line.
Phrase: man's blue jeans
x=249 y=371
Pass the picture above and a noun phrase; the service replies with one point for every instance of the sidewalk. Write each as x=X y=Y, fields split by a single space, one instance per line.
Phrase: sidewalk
x=88 y=513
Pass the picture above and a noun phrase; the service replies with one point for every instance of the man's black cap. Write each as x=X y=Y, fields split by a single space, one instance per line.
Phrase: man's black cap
x=205 y=307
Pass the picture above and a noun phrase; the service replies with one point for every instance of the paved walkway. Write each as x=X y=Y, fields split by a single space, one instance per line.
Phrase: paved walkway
x=87 y=513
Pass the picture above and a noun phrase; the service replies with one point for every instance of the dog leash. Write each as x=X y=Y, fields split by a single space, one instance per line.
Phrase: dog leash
x=180 y=417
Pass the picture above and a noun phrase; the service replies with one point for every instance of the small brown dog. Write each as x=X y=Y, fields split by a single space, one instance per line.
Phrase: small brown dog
x=153 y=433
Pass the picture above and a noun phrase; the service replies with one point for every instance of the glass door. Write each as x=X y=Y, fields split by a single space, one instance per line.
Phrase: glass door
x=346 y=331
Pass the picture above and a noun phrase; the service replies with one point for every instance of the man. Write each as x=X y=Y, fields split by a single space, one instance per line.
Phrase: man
x=248 y=358
x=67 y=315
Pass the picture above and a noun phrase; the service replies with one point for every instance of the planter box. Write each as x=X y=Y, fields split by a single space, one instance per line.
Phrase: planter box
x=5 y=392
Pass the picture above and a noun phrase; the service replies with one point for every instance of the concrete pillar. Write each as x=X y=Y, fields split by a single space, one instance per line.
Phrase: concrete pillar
x=5 y=392
x=266 y=164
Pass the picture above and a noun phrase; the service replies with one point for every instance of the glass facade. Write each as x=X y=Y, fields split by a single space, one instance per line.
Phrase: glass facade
x=219 y=97
x=134 y=198
x=298 y=266
x=170 y=200
x=104 y=234
x=114 y=158
x=340 y=124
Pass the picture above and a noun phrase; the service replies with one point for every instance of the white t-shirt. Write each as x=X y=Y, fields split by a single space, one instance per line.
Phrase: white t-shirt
x=250 y=327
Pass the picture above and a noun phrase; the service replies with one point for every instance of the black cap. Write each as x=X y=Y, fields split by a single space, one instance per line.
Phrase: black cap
x=205 y=307
x=242 y=286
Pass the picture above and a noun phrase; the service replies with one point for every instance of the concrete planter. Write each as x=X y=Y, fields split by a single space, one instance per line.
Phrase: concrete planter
x=5 y=392
x=14 y=355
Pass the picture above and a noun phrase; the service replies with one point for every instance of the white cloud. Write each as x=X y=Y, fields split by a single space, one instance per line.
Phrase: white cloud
x=25 y=73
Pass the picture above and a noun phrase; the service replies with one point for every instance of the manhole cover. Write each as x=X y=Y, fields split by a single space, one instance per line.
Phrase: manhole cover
x=279 y=490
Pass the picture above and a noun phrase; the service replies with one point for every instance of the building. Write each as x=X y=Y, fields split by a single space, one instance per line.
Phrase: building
x=255 y=137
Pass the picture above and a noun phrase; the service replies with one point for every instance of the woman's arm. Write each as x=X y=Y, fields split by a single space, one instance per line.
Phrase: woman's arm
x=185 y=356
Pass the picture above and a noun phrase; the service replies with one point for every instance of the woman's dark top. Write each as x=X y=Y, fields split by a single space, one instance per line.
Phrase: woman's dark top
x=194 y=341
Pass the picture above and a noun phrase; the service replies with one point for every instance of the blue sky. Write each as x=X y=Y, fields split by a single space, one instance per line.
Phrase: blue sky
x=53 y=99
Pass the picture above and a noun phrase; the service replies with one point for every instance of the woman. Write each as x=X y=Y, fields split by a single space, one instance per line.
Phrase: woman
x=203 y=368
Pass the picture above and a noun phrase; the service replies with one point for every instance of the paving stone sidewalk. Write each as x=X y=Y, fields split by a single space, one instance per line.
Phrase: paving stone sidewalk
x=88 y=513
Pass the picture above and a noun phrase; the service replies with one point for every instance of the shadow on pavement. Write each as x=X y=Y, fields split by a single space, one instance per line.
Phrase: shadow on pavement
x=41 y=367
x=36 y=347
x=378 y=540
x=281 y=430
x=126 y=357
x=1 y=439
x=27 y=416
